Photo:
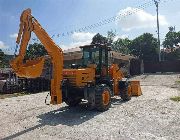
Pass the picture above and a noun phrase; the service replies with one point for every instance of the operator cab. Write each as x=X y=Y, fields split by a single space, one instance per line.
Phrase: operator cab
x=96 y=54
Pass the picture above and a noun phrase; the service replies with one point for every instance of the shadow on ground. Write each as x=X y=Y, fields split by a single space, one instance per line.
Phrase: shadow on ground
x=65 y=115
x=69 y=116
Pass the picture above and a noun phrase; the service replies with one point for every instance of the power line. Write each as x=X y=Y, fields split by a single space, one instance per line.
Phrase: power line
x=109 y=20
x=103 y=22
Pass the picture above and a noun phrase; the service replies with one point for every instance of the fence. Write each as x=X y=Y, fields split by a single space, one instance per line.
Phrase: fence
x=10 y=83
x=135 y=67
x=163 y=66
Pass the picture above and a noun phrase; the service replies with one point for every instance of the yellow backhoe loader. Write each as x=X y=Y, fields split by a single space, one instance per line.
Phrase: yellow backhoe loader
x=96 y=80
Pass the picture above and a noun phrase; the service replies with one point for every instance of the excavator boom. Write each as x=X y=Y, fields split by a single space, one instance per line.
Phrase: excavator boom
x=33 y=68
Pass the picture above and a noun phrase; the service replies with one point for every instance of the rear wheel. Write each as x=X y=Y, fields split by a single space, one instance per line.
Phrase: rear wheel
x=102 y=98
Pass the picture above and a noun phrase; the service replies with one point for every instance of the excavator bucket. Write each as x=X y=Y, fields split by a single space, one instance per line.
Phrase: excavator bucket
x=30 y=69
x=135 y=88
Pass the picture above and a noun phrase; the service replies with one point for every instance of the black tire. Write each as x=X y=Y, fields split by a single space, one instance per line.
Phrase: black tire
x=73 y=102
x=4 y=89
x=99 y=103
x=124 y=93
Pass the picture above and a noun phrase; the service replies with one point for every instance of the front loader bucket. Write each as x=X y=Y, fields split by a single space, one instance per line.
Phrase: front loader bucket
x=135 y=88
x=30 y=69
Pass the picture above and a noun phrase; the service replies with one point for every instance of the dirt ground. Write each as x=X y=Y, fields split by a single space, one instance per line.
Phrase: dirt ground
x=150 y=116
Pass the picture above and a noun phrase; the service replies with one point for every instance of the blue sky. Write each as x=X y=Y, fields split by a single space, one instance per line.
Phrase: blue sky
x=62 y=16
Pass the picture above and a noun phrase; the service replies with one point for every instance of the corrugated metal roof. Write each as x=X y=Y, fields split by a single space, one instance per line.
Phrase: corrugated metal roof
x=76 y=49
x=78 y=55
x=73 y=56
x=121 y=56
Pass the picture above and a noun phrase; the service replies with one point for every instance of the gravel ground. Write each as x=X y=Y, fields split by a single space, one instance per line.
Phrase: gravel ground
x=150 y=116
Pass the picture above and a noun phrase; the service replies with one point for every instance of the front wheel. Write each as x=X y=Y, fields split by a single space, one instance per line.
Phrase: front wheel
x=102 y=98
x=124 y=93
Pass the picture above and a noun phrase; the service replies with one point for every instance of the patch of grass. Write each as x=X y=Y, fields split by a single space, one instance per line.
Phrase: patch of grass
x=176 y=98
x=176 y=84
x=3 y=96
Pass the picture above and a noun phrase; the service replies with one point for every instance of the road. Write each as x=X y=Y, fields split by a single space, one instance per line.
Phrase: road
x=150 y=116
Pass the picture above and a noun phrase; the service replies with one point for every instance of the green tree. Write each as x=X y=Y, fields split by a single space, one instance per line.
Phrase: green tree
x=171 y=28
x=110 y=36
x=145 y=47
x=2 y=58
x=122 y=45
x=171 y=39
x=1 y=54
x=35 y=50
x=174 y=55
x=99 y=39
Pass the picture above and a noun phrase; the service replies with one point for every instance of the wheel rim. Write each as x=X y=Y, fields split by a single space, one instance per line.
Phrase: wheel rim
x=106 y=97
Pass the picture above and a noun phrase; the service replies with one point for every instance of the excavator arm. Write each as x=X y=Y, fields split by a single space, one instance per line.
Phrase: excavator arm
x=33 y=68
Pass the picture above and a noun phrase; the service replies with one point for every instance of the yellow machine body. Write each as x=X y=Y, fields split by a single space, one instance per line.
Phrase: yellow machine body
x=79 y=77
x=116 y=74
x=30 y=69
x=135 y=89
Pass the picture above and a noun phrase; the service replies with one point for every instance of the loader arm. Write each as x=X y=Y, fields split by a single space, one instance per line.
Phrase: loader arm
x=33 y=68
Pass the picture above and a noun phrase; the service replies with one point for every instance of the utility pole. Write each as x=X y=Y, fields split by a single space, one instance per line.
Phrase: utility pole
x=157 y=10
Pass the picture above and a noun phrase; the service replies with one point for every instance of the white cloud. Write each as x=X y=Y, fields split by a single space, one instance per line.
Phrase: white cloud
x=75 y=44
x=13 y=35
x=138 y=19
x=121 y=36
x=82 y=36
x=3 y=46
x=79 y=39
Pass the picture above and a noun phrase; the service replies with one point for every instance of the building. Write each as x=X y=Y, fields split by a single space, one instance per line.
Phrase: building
x=74 y=56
